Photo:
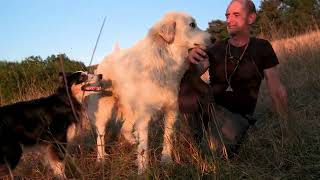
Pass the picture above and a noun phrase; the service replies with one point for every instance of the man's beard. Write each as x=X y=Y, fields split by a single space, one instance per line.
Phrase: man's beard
x=232 y=33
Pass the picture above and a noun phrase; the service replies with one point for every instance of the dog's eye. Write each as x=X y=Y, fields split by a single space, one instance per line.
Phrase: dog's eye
x=193 y=25
x=82 y=79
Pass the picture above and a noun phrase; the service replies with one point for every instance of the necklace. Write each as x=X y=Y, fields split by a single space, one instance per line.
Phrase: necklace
x=228 y=79
x=231 y=58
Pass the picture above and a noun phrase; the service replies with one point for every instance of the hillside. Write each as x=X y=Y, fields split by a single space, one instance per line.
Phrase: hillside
x=276 y=148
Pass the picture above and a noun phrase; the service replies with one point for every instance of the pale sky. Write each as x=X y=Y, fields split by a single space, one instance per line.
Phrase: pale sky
x=43 y=27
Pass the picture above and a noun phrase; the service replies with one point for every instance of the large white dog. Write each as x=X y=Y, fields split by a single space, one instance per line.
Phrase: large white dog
x=146 y=80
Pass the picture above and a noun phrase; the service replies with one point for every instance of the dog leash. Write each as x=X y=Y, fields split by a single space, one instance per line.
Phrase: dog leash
x=97 y=41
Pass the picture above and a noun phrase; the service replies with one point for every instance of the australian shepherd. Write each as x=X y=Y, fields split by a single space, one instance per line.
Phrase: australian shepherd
x=49 y=122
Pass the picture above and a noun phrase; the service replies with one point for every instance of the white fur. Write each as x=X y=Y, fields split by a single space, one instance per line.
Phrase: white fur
x=146 y=80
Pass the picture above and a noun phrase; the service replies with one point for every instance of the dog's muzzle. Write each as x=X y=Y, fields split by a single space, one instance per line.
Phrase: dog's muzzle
x=95 y=86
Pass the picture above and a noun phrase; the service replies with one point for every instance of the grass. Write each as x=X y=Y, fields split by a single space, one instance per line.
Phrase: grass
x=275 y=148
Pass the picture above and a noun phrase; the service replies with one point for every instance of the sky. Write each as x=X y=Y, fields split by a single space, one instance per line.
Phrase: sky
x=46 y=27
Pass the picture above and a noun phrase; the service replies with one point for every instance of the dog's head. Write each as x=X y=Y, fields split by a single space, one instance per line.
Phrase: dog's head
x=81 y=84
x=181 y=30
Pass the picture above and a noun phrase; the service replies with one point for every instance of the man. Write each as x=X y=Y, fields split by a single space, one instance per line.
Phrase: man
x=236 y=68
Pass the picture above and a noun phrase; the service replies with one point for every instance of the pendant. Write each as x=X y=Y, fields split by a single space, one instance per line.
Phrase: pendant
x=229 y=89
x=233 y=60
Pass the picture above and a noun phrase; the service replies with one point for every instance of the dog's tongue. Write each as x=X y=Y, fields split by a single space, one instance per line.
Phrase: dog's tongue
x=91 y=88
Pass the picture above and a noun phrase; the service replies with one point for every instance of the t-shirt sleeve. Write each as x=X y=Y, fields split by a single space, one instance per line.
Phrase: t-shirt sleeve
x=269 y=57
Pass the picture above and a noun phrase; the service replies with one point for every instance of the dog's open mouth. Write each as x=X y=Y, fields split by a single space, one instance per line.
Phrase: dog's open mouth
x=91 y=87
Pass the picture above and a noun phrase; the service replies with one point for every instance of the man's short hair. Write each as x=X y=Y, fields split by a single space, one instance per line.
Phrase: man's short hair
x=248 y=4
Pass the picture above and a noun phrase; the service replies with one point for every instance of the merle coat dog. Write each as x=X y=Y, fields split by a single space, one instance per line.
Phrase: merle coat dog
x=49 y=122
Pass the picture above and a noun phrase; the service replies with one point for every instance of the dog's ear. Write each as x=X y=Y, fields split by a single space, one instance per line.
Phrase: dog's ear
x=61 y=77
x=81 y=77
x=167 y=31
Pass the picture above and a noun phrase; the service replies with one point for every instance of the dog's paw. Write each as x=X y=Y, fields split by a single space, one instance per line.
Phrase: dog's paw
x=60 y=177
x=129 y=137
x=101 y=158
x=166 y=158
x=131 y=141
x=142 y=162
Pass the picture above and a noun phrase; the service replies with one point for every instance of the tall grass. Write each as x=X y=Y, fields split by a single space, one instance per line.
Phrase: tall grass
x=275 y=148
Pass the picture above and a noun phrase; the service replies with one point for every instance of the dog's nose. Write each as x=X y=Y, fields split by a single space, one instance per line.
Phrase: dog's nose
x=99 y=76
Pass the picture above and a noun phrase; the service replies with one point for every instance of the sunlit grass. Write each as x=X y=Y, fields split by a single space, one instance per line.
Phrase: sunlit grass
x=275 y=149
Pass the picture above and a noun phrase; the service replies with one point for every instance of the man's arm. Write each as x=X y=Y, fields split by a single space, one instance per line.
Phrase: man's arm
x=276 y=89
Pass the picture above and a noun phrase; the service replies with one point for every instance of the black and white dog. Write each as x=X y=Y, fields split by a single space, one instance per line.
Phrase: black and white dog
x=50 y=122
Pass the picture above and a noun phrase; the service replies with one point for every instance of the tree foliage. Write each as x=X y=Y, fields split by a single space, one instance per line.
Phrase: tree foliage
x=32 y=75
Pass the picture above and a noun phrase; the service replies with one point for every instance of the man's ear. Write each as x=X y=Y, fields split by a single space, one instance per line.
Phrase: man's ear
x=252 y=18
x=167 y=31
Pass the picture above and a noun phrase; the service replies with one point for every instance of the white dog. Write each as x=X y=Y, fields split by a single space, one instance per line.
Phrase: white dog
x=146 y=80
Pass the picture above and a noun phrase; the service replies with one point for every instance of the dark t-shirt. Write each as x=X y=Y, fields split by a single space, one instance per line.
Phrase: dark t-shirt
x=246 y=80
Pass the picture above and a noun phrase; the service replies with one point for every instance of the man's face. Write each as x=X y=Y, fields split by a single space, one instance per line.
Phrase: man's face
x=237 y=18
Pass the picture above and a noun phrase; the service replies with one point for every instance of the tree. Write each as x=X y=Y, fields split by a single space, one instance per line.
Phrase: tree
x=218 y=29
x=268 y=18
x=301 y=15
x=32 y=75
x=288 y=17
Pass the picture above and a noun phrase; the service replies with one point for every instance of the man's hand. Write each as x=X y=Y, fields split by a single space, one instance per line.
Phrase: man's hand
x=277 y=91
x=197 y=54
x=199 y=58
